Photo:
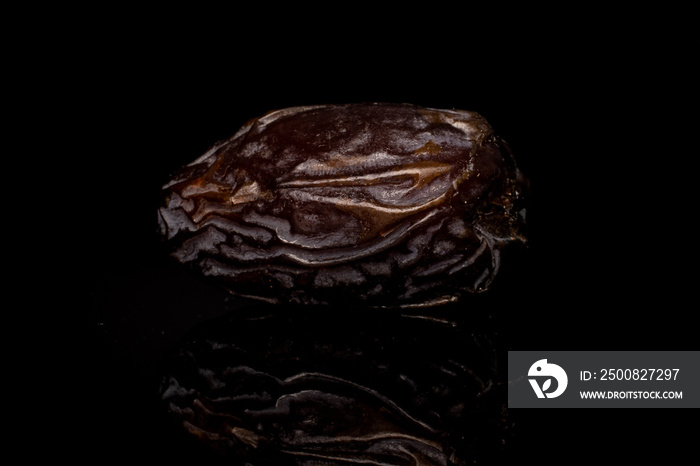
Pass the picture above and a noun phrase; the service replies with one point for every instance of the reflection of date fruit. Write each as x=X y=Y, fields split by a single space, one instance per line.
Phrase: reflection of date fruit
x=305 y=387
x=381 y=204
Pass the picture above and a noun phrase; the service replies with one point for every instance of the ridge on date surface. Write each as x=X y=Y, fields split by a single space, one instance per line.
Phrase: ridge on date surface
x=384 y=205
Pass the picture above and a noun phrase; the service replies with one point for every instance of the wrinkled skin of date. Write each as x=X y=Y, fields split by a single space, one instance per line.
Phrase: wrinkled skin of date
x=303 y=387
x=384 y=205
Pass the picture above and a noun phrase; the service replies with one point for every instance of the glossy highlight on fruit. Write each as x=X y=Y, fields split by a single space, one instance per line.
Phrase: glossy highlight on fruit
x=386 y=205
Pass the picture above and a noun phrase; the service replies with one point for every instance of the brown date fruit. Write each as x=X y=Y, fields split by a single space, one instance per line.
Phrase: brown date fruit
x=386 y=205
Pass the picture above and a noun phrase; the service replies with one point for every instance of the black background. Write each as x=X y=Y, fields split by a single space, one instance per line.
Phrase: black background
x=596 y=103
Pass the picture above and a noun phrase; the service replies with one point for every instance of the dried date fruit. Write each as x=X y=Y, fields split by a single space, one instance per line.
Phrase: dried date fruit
x=388 y=205
x=305 y=387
